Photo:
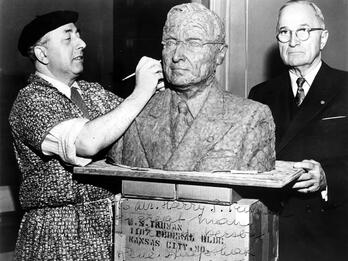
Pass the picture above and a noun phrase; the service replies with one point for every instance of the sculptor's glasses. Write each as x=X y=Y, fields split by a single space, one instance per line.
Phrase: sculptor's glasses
x=303 y=33
x=191 y=44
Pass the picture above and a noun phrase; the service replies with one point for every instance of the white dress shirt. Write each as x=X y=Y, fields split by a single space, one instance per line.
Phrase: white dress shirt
x=60 y=140
x=309 y=77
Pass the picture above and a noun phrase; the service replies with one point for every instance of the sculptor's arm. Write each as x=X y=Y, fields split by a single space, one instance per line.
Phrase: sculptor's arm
x=62 y=139
x=104 y=130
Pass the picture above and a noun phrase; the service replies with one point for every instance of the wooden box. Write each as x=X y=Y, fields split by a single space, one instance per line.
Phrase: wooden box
x=189 y=231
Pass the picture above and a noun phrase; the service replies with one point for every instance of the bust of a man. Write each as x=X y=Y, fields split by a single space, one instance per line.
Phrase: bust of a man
x=194 y=124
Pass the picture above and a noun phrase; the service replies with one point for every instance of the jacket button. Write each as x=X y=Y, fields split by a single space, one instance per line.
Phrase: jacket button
x=308 y=209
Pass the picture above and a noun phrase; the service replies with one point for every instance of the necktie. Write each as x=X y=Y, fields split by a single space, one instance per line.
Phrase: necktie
x=77 y=99
x=181 y=122
x=300 y=95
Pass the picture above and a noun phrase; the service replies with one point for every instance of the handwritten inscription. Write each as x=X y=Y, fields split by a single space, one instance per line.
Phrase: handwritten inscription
x=172 y=230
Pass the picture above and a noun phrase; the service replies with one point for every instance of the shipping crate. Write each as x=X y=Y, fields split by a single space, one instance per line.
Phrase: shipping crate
x=188 y=231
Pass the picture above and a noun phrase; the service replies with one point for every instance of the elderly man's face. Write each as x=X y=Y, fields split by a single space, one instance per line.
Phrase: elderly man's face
x=64 y=50
x=296 y=53
x=186 y=61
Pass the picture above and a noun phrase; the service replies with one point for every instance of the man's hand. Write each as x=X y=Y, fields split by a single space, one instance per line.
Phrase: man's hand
x=149 y=76
x=313 y=179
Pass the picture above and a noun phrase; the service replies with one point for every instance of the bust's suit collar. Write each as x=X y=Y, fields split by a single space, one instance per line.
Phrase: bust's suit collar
x=154 y=129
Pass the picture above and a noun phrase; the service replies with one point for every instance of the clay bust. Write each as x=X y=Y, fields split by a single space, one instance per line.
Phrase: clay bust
x=193 y=46
x=194 y=124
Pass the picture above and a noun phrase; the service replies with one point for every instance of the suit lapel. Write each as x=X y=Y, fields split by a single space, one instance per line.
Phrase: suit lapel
x=317 y=99
x=153 y=126
x=206 y=130
x=278 y=99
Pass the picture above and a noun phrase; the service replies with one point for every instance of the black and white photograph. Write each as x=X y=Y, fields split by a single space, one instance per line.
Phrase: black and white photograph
x=202 y=130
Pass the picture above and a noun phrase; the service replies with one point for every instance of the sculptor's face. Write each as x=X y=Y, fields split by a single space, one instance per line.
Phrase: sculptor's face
x=186 y=61
x=64 y=51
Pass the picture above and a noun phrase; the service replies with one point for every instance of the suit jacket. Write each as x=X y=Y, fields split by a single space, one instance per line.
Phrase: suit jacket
x=228 y=133
x=317 y=130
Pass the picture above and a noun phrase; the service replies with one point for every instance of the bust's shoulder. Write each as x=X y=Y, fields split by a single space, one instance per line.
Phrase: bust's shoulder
x=232 y=100
x=244 y=109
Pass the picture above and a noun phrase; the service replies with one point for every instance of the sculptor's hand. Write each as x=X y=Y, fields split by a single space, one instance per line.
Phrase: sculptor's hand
x=313 y=179
x=149 y=76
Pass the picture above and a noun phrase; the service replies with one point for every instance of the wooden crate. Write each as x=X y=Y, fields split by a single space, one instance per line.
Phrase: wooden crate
x=188 y=231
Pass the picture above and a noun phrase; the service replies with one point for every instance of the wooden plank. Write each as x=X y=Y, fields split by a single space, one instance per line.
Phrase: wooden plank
x=282 y=175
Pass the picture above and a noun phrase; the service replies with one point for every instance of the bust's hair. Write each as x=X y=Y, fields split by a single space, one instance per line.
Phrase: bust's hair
x=318 y=13
x=194 y=9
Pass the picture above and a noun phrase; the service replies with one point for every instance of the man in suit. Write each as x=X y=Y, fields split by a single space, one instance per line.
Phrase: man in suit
x=194 y=125
x=309 y=103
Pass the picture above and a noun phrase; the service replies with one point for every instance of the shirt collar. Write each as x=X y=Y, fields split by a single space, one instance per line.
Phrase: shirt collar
x=309 y=77
x=195 y=104
x=61 y=87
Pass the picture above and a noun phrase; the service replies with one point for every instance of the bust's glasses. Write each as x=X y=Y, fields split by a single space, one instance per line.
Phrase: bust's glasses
x=284 y=35
x=189 y=44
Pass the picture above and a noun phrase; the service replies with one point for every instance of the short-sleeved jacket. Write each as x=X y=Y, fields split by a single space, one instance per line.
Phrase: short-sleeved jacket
x=64 y=219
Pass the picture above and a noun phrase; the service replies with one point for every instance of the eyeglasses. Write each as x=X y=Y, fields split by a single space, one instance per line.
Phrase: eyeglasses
x=189 y=44
x=284 y=35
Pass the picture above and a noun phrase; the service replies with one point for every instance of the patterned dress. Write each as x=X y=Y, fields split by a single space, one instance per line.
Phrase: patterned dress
x=64 y=219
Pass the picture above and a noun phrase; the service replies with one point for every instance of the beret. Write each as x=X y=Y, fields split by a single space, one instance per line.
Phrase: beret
x=41 y=25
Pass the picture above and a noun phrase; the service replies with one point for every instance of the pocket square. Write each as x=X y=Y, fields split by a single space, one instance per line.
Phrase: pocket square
x=333 y=118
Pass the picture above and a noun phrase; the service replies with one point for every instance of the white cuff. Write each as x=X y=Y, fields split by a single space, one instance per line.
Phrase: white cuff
x=61 y=141
x=324 y=194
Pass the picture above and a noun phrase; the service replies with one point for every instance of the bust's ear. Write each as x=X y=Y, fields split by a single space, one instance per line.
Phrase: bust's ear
x=41 y=54
x=323 y=39
x=221 y=54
